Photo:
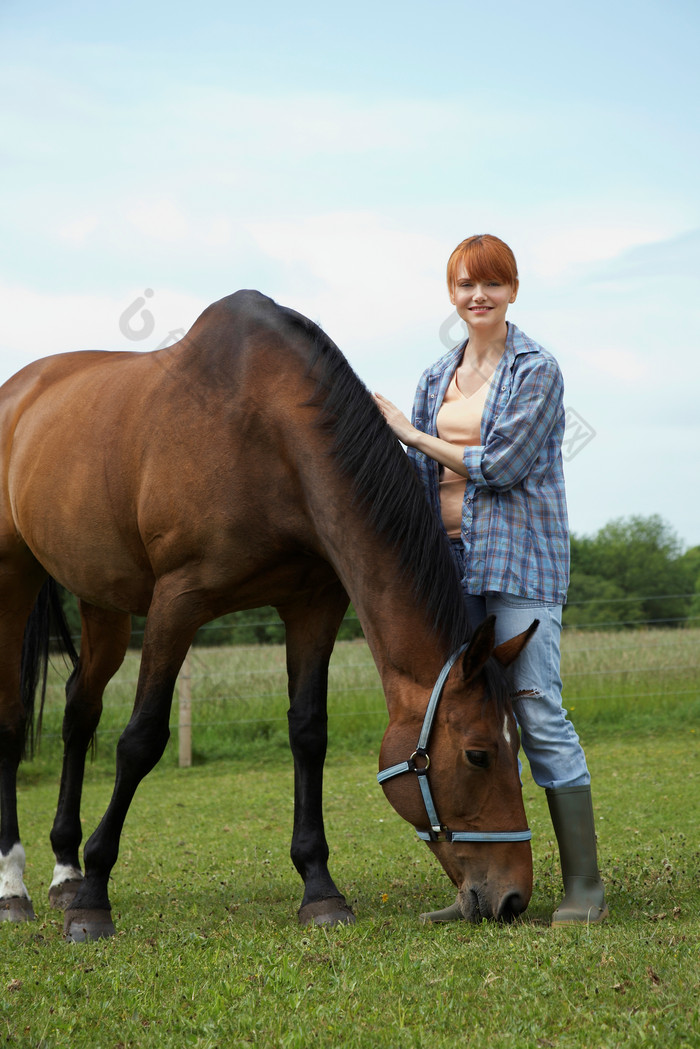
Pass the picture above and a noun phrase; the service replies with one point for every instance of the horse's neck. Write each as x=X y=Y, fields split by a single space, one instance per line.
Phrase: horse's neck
x=397 y=626
x=404 y=645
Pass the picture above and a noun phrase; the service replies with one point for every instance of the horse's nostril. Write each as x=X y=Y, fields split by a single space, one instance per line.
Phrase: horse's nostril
x=511 y=905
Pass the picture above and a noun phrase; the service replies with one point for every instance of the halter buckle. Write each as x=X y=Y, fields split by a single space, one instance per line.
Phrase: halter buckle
x=419 y=769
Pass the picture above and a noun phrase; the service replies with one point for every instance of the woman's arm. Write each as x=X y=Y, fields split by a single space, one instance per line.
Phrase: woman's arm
x=442 y=451
x=522 y=429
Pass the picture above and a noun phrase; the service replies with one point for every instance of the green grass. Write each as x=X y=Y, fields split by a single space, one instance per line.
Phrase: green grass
x=209 y=953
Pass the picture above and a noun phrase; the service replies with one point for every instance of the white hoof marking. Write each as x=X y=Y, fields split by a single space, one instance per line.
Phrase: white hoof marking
x=11 y=871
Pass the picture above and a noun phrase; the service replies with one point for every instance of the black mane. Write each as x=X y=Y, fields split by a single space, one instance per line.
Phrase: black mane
x=384 y=483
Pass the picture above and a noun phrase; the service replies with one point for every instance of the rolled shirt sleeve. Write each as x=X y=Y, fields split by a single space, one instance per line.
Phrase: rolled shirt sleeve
x=520 y=432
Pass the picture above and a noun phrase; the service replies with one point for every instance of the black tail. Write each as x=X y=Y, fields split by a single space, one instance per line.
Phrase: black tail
x=46 y=622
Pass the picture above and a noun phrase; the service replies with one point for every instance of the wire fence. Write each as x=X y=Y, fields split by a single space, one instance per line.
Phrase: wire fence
x=231 y=688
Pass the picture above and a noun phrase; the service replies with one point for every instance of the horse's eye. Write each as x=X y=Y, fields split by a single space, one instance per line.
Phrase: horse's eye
x=479 y=758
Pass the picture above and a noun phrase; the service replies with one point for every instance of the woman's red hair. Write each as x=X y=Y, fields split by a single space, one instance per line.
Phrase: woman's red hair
x=485 y=257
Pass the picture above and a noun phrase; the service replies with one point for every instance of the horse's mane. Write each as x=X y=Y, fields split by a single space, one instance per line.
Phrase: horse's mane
x=383 y=482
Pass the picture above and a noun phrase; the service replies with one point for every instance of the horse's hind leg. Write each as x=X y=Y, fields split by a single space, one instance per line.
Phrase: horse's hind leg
x=15 y=903
x=174 y=616
x=104 y=640
x=311 y=633
x=17 y=595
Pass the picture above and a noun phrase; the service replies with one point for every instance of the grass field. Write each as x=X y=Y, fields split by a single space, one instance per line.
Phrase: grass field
x=208 y=951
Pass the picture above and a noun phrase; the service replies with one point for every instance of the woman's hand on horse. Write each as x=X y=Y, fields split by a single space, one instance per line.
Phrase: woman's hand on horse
x=398 y=422
x=441 y=451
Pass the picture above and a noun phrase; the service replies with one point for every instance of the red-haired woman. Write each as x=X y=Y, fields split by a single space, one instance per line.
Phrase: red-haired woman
x=485 y=440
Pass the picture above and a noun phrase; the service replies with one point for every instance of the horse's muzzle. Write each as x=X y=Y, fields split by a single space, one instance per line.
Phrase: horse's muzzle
x=476 y=905
x=511 y=907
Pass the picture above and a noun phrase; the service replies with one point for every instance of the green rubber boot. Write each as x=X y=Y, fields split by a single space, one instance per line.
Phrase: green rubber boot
x=452 y=913
x=571 y=809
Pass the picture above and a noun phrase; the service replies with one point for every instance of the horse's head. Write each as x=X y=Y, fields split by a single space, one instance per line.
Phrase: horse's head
x=460 y=788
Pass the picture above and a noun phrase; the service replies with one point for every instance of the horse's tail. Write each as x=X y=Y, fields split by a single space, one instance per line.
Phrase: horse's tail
x=46 y=622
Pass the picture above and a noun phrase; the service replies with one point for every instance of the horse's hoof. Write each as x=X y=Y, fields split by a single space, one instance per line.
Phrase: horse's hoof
x=16 y=909
x=453 y=913
x=334 y=911
x=61 y=896
x=80 y=925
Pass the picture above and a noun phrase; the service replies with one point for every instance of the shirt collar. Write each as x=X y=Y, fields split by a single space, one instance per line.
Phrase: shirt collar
x=517 y=343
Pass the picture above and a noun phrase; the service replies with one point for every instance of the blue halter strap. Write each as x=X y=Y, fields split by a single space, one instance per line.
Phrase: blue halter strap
x=419 y=762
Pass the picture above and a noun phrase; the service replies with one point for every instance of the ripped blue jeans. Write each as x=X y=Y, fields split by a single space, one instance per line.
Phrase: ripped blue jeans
x=549 y=740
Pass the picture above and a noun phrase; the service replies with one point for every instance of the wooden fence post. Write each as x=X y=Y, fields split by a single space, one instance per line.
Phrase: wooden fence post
x=185 y=715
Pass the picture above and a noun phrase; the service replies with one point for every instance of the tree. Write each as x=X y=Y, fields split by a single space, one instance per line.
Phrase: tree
x=633 y=570
x=594 y=601
x=690 y=564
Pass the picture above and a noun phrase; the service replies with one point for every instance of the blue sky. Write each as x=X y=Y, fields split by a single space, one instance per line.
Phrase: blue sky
x=333 y=157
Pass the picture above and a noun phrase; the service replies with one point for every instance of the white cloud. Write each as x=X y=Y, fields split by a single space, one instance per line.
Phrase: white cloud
x=303 y=124
x=571 y=246
x=78 y=229
x=159 y=218
x=366 y=279
x=37 y=324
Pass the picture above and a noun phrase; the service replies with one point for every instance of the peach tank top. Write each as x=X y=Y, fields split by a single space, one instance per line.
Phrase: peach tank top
x=459 y=423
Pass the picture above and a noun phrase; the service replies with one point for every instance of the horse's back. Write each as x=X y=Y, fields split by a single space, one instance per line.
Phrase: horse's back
x=121 y=406
x=119 y=467
x=211 y=354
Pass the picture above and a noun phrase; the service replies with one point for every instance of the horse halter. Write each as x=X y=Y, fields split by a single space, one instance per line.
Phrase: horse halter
x=437 y=831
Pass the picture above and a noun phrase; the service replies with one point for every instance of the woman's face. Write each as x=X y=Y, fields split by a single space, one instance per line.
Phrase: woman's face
x=482 y=304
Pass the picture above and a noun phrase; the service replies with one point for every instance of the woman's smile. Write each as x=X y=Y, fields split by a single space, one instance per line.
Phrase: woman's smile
x=476 y=299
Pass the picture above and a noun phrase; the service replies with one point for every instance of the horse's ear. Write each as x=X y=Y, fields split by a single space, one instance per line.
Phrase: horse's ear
x=480 y=648
x=507 y=652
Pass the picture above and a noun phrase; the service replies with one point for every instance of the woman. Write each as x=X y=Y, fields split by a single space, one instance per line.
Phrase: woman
x=485 y=440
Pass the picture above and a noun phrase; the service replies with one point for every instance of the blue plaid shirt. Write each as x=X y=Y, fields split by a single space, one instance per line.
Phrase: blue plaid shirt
x=514 y=521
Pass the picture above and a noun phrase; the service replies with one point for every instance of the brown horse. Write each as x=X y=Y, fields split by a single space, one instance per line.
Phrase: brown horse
x=245 y=465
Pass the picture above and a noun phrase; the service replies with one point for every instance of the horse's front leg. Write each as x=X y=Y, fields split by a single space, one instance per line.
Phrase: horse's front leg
x=311 y=633
x=104 y=640
x=169 y=632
